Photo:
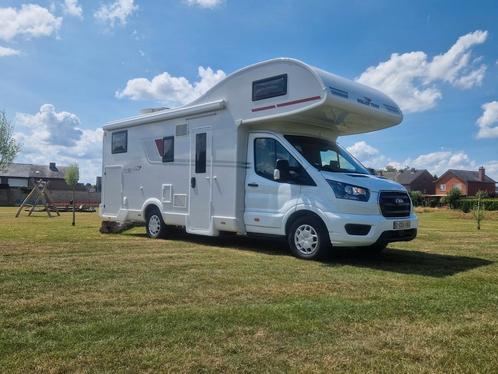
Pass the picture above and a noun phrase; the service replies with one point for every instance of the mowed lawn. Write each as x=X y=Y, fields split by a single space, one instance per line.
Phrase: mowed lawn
x=72 y=299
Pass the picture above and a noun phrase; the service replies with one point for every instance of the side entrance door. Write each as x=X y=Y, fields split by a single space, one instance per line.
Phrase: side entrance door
x=201 y=170
x=113 y=190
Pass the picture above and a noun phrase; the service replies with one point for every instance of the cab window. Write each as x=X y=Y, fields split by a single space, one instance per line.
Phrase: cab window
x=267 y=152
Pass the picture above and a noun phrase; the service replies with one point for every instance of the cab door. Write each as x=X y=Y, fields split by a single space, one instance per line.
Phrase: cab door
x=267 y=201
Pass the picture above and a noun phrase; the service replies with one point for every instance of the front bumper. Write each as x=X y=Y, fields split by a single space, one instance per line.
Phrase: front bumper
x=381 y=229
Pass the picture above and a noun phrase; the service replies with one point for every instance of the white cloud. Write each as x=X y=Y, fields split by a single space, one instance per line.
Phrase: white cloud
x=488 y=122
x=72 y=8
x=118 y=11
x=4 y=52
x=204 y=3
x=42 y=138
x=412 y=79
x=171 y=90
x=436 y=162
x=362 y=150
x=30 y=21
x=440 y=161
x=492 y=169
x=58 y=128
x=370 y=156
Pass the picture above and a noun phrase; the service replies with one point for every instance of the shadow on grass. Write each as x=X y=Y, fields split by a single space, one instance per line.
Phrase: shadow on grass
x=392 y=259
x=408 y=261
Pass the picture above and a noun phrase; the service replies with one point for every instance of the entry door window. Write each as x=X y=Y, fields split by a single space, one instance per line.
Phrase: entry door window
x=200 y=153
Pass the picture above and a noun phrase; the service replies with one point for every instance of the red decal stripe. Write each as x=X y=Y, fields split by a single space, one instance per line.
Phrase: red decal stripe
x=299 y=101
x=313 y=98
x=160 y=147
x=264 y=108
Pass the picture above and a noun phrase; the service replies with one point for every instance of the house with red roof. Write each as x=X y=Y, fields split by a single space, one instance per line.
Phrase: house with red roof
x=467 y=181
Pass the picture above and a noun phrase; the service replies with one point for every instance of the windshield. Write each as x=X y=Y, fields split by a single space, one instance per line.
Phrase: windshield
x=326 y=155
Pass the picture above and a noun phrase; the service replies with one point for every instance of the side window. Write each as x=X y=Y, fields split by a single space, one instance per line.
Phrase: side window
x=266 y=153
x=200 y=153
x=345 y=164
x=269 y=87
x=283 y=154
x=264 y=157
x=169 y=149
x=120 y=142
x=329 y=159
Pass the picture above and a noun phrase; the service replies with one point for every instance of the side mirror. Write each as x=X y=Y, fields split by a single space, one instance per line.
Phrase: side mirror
x=281 y=171
x=371 y=171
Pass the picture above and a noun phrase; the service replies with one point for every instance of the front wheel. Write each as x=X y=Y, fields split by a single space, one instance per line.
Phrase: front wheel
x=155 y=226
x=308 y=238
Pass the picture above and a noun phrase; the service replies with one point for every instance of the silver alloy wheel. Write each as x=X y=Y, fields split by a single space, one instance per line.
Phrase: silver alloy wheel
x=306 y=239
x=154 y=225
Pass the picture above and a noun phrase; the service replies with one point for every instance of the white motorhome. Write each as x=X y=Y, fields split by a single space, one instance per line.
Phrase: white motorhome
x=257 y=154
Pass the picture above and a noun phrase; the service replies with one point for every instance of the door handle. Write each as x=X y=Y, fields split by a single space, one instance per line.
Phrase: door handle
x=192 y=182
x=253 y=185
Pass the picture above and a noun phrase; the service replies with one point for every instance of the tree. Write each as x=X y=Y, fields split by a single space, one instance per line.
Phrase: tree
x=481 y=194
x=479 y=211
x=8 y=146
x=453 y=197
x=417 y=198
x=72 y=176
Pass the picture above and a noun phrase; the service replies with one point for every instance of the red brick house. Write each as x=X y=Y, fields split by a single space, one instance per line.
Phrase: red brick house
x=468 y=182
x=411 y=179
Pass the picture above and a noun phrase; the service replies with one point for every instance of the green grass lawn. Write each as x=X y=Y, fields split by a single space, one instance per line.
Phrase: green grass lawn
x=72 y=299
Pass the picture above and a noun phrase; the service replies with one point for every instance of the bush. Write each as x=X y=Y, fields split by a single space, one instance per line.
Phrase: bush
x=466 y=205
x=433 y=202
x=452 y=198
x=417 y=198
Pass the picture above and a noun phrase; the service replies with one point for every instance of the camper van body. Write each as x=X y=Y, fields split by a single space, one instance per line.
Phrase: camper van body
x=197 y=166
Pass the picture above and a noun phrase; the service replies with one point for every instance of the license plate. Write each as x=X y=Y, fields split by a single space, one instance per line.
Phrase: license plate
x=401 y=225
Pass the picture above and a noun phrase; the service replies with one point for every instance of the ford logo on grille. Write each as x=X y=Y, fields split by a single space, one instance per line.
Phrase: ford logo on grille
x=399 y=201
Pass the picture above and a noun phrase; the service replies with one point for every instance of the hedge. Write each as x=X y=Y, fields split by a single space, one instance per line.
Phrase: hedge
x=468 y=204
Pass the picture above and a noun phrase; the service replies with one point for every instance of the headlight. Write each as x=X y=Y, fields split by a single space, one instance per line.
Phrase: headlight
x=349 y=192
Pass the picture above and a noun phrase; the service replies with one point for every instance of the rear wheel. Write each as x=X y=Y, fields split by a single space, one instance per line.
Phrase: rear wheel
x=308 y=238
x=154 y=225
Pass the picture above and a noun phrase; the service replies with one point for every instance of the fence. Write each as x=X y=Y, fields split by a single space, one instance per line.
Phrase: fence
x=15 y=196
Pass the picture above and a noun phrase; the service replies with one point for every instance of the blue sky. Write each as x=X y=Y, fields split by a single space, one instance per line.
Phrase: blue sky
x=68 y=66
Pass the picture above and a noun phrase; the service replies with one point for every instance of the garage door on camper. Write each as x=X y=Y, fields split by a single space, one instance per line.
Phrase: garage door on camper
x=113 y=190
x=199 y=218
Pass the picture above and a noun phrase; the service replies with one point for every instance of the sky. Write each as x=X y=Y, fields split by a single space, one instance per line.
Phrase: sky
x=69 y=66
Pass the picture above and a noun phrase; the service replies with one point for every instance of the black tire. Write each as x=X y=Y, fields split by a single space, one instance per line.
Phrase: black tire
x=314 y=241
x=154 y=224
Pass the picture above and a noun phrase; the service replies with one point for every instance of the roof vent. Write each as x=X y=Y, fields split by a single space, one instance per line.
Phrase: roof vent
x=152 y=110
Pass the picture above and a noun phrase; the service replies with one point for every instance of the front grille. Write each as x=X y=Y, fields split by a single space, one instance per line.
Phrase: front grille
x=394 y=204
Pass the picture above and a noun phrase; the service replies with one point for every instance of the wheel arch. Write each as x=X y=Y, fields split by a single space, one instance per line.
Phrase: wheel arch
x=302 y=213
x=150 y=204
